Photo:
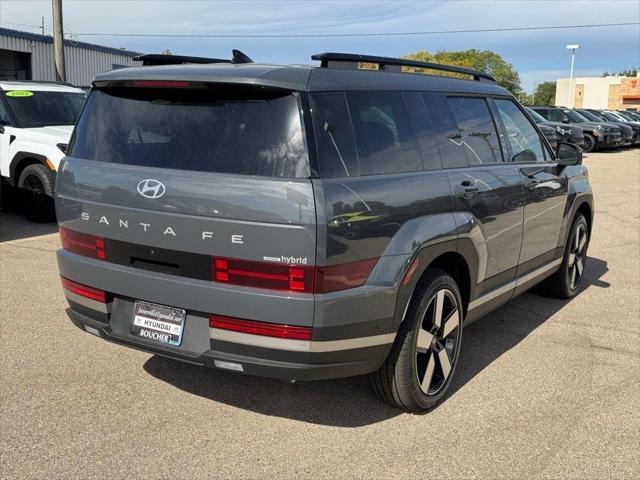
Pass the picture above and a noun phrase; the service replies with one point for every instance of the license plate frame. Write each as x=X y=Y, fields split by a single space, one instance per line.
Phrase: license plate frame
x=158 y=323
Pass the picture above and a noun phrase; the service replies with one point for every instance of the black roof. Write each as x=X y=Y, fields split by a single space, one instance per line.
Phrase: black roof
x=301 y=78
x=36 y=37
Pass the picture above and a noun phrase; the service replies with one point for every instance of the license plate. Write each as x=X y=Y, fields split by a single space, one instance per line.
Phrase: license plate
x=158 y=323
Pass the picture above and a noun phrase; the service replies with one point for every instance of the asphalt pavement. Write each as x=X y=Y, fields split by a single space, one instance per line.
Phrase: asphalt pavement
x=545 y=388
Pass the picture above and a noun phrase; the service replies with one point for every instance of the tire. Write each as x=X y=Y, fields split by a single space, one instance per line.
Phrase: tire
x=589 y=143
x=37 y=185
x=418 y=371
x=565 y=282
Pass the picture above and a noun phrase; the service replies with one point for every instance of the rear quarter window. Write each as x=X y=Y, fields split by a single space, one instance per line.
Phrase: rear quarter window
x=237 y=132
x=364 y=133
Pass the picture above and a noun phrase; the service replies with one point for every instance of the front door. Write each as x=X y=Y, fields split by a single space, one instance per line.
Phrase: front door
x=545 y=190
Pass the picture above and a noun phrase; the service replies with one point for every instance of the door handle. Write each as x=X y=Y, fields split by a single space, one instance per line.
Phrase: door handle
x=534 y=172
x=466 y=189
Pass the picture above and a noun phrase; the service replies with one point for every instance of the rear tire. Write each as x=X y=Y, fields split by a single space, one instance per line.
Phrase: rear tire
x=565 y=282
x=418 y=371
x=37 y=184
x=589 y=143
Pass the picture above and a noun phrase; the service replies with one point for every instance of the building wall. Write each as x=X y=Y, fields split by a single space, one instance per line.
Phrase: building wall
x=591 y=92
x=82 y=64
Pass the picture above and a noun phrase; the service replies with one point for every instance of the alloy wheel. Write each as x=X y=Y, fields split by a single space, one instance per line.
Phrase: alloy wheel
x=437 y=341
x=577 y=256
x=36 y=190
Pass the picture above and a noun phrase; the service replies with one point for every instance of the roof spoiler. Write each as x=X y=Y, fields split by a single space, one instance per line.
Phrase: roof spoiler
x=153 y=59
x=388 y=64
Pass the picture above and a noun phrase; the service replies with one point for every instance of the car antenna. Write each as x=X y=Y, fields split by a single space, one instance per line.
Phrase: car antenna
x=239 y=57
x=330 y=129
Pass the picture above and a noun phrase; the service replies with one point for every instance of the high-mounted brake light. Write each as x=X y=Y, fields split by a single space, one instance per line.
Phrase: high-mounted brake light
x=85 y=291
x=259 y=328
x=295 y=278
x=161 y=83
x=83 y=244
x=275 y=276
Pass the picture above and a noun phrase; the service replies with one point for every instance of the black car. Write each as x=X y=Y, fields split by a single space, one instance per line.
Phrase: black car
x=630 y=135
x=312 y=222
x=631 y=115
x=597 y=135
x=562 y=131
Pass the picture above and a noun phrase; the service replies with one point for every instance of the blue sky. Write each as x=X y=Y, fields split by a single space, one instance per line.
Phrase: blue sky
x=537 y=55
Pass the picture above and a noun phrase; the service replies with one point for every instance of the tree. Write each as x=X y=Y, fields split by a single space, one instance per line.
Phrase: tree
x=483 y=60
x=545 y=93
x=625 y=72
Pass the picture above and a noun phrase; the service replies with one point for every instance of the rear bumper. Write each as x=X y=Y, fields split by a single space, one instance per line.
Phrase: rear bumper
x=262 y=364
x=348 y=338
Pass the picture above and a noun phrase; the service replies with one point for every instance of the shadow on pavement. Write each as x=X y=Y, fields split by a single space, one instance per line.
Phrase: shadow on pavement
x=14 y=225
x=350 y=402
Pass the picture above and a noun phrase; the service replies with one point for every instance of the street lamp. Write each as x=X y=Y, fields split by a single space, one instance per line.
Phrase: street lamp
x=573 y=49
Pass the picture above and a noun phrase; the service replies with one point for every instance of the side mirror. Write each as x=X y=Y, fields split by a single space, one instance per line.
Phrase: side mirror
x=568 y=154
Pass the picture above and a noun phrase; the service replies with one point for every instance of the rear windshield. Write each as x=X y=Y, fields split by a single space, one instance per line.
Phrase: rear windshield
x=245 y=133
x=39 y=108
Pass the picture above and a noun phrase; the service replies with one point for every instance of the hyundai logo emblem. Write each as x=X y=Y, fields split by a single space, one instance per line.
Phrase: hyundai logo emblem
x=150 y=188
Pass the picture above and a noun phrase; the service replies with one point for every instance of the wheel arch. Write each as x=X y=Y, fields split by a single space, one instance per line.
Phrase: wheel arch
x=451 y=258
x=585 y=209
x=22 y=160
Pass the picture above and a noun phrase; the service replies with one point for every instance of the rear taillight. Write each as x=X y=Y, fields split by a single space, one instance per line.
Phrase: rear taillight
x=341 y=277
x=83 y=244
x=85 y=291
x=275 y=276
x=295 y=278
x=222 y=322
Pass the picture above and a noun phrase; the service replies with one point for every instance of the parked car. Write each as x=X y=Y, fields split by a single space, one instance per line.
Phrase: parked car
x=630 y=115
x=207 y=214
x=629 y=120
x=36 y=120
x=597 y=135
x=629 y=134
x=563 y=132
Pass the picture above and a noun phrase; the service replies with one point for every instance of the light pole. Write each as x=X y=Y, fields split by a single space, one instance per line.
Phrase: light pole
x=573 y=49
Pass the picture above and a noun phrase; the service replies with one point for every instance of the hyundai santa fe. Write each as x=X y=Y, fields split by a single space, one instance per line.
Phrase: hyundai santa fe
x=313 y=222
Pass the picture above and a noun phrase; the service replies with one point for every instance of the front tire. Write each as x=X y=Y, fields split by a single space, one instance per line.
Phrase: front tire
x=589 y=143
x=565 y=282
x=37 y=185
x=418 y=371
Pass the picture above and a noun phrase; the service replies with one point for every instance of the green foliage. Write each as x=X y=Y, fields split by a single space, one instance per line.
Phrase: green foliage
x=545 y=93
x=625 y=72
x=483 y=60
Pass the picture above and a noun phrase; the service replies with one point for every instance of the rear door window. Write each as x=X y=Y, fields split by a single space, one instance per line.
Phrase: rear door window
x=476 y=135
x=524 y=144
x=240 y=132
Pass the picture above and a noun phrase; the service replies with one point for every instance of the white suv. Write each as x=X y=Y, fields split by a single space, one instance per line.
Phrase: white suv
x=36 y=121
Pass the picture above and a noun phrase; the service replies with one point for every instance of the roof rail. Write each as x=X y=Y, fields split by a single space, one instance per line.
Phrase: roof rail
x=152 y=59
x=352 y=60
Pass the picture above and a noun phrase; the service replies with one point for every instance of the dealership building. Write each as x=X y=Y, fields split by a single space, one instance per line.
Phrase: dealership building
x=612 y=92
x=29 y=56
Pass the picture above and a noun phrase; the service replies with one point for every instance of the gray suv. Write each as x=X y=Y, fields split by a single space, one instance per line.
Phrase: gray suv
x=313 y=222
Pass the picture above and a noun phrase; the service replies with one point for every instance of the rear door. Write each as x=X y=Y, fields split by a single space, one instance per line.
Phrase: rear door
x=488 y=195
x=545 y=189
